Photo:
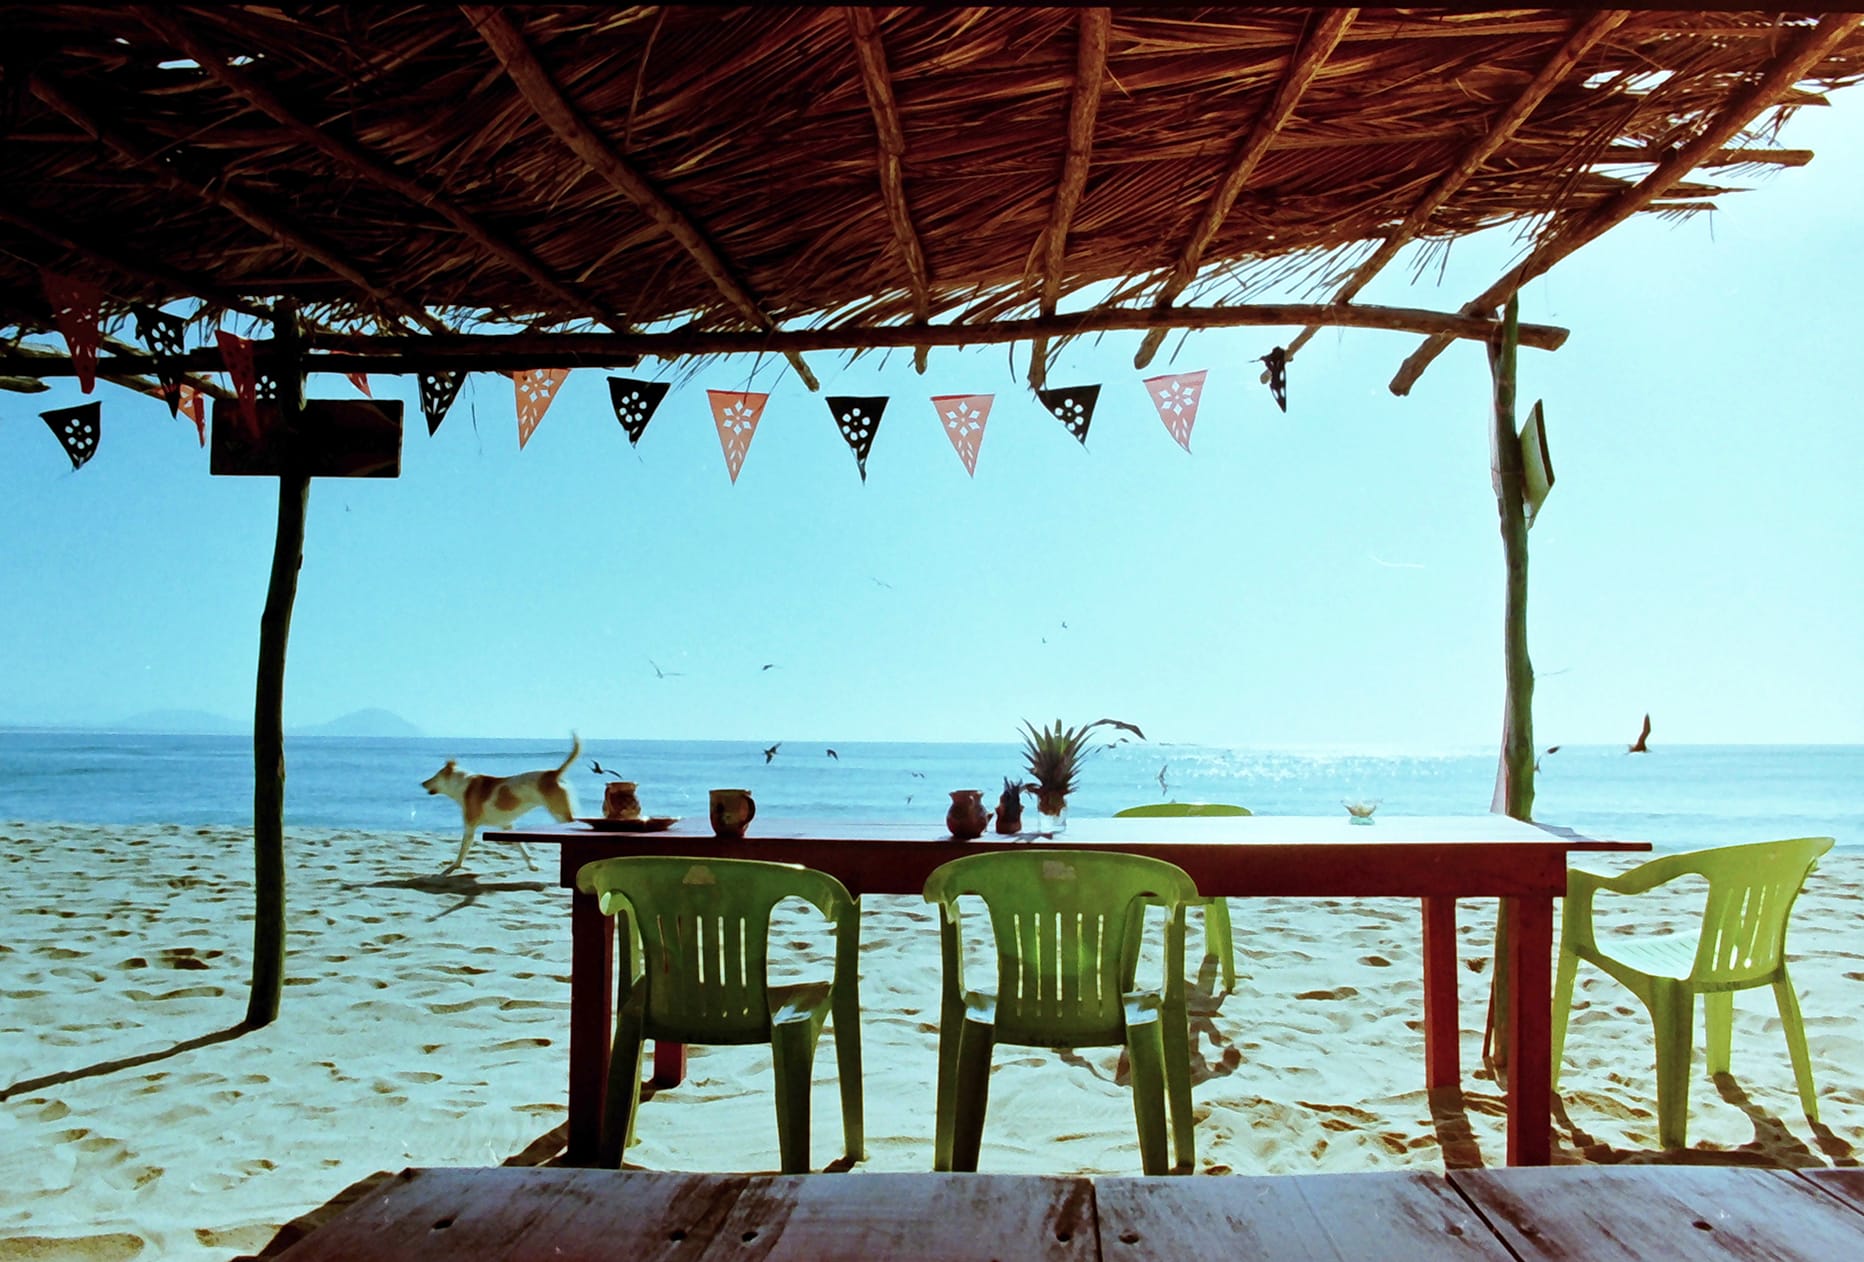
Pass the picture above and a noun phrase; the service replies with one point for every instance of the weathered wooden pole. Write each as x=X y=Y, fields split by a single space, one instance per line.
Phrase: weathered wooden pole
x=268 y=712
x=1514 y=773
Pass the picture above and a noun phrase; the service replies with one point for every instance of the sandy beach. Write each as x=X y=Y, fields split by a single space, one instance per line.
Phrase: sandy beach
x=424 y=1022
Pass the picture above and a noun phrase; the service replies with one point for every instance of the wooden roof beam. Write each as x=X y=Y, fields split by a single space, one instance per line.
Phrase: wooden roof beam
x=1303 y=66
x=1551 y=75
x=540 y=91
x=1801 y=53
x=146 y=272
x=462 y=352
x=1090 y=68
x=872 y=55
x=376 y=170
x=222 y=194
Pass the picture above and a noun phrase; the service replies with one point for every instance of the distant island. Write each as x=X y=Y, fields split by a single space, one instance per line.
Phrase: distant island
x=372 y=722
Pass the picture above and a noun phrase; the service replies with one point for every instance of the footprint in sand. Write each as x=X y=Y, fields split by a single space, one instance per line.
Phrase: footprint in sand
x=1338 y=992
x=115 y=1246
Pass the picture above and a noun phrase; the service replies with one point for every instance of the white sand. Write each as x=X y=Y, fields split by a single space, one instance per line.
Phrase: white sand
x=425 y=1020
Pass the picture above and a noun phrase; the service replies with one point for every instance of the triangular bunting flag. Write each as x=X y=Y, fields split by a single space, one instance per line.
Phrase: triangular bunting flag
x=194 y=403
x=635 y=402
x=1073 y=406
x=76 y=429
x=438 y=390
x=75 y=306
x=236 y=355
x=858 y=418
x=361 y=381
x=1277 y=361
x=1176 y=397
x=537 y=390
x=162 y=334
x=736 y=414
x=964 y=417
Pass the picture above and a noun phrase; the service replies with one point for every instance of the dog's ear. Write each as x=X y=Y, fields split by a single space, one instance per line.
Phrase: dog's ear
x=451 y=764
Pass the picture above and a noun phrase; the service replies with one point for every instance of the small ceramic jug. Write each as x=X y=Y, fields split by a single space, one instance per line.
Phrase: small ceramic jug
x=967 y=815
x=732 y=812
x=619 y=801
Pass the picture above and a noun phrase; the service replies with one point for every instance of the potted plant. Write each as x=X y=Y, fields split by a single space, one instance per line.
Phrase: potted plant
x=1010 y=806
x=1054 y=756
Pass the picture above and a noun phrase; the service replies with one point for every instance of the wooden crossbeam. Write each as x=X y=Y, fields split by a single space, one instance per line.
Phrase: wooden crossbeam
x=162 y=279
x=372 y=168
x=1090 y=67
x=1302 y=68
x=221 y=193
x=872 y=55
x=540 y=90
x=1550 y=76
x=465 y=352
x=1802 y=52
x=123 y=366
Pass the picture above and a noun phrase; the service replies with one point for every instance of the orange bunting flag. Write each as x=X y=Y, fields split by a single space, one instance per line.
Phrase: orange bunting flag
x=537 y=390
x=194 y=403
x=75 y=305
x=236 y=355
x=1176 y=397
x=736 y=414
x=964 y=416
x=361 y=381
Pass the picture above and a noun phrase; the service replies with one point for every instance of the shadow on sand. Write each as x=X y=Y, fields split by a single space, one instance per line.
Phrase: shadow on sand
x=1773 y=1146
x=464 y=885
x=127 y=1062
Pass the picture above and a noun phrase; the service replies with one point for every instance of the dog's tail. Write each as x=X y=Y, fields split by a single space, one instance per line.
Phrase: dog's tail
x=575 y=753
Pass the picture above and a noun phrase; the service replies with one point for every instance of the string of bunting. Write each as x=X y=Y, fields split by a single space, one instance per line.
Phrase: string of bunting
x=735 y=413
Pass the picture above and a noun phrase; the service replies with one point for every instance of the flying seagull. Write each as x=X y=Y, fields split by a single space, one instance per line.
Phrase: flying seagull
x=768 y=666
x=920 y=774
x=663 y=674
x=1162 y=788
x=1638 y=746
x=832 y=754
x=771 y=752
x=600 y=770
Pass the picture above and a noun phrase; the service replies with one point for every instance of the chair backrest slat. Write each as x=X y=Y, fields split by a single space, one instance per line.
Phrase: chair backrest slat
x=1751 y=893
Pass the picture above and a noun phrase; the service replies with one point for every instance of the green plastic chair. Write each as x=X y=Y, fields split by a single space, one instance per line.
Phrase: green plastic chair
x=1067 y=925
x=1218 y=941
x=1742 y=945
x=695 y=941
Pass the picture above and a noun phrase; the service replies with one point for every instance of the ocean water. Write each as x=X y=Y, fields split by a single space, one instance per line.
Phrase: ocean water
x=1674 y=796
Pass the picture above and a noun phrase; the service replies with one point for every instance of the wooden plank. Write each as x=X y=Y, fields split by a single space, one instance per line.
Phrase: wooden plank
x=522 y=1213
x=951 y=1217
x=1397 y=1216
x=1847 y=1184
x=1706 y=1213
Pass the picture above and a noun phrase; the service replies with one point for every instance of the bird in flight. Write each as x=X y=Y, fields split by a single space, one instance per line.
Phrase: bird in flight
x=768 y=666
x=600 y=770
x=832 y=754
x=663 y=674
x=1638 y=746
x=882 y=582
x=771 y=752
x=920 y=774
x=1162 y=788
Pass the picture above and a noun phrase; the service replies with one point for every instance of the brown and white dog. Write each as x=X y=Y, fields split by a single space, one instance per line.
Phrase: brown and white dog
x=495 y=801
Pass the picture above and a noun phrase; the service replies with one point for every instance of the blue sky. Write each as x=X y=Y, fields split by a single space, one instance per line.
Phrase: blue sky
x=1332 y=577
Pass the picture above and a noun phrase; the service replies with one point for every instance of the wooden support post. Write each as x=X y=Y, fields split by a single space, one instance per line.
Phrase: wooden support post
x=268 y=713
x=1514 y=774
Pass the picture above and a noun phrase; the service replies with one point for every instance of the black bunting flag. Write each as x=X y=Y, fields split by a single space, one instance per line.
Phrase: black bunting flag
x=438 y=390
x=1277 y=361
x=1073 y=406
x=162 y=334
x=635 y=402
x=76 y=429
x=858 y=418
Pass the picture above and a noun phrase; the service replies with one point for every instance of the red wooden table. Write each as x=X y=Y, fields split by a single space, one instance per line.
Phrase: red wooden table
x=1599 y=1213
x=1435 y=859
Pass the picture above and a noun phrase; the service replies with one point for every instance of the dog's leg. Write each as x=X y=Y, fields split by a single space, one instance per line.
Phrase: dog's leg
x=525 y=853
x=465 y=845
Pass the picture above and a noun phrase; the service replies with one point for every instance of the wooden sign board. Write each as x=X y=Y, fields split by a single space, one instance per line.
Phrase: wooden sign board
x=336 y=438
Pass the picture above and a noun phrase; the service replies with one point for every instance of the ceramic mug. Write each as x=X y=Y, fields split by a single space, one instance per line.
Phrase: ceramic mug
x=732 y=812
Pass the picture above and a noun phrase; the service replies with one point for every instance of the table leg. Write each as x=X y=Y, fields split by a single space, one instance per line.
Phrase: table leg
x=592 y=982
x=1530 y=1031
x=669 y=1063
x=1442 y=1021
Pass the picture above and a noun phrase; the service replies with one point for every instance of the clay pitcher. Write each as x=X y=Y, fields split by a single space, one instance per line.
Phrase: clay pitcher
x=967 y=815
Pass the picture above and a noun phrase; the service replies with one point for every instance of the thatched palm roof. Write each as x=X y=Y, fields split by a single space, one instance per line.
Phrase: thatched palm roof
x=413 y=166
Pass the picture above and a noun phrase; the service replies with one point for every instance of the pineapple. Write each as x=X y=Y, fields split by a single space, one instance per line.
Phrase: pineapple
x=1054 y=755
